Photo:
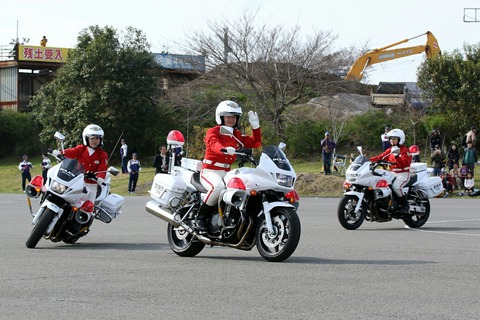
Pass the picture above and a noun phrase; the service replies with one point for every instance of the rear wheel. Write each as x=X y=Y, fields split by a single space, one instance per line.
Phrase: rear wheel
x=40 y=228
x=418 y=219
x=282 y=243
x=182 y=242
x=348 y=218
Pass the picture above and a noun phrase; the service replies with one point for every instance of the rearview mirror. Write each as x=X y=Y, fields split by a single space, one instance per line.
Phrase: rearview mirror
x=60 y=137
x=359 y=148
x=282 y=145
x=113 y=171
x=227 y=131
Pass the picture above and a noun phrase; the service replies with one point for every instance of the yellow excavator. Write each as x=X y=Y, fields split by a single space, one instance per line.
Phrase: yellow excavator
x=431 y=48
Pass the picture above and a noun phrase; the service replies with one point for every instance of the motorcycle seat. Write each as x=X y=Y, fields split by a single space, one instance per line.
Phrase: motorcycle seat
x=195 y=181
x=413 y=179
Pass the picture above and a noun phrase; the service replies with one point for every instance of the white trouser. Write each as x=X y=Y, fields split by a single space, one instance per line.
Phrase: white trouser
x=212 y=180
x=400 y=181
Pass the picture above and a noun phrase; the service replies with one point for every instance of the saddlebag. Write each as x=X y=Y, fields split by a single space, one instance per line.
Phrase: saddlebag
x=167 y=189
x=432 y=186
x=112 y=204
x=192 y=164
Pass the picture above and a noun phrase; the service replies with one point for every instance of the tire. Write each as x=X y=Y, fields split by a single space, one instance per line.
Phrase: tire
x=283 y=243
x=346 y=213
x=40 y=228
x=183 y=243
x=418 y=220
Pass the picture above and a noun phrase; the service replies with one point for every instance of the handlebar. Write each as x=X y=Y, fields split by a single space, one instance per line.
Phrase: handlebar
x=243 y=154
x=376 y=164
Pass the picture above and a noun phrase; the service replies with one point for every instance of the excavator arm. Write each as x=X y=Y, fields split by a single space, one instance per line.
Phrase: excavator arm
x=379 y=55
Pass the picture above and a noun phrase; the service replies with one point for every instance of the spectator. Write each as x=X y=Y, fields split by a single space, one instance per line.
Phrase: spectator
x=328 y=146
x=134 y=168
x=446 y=181
x=469 y=183
x=463 y=173
x=385 y=141
x=435 y=139
x=25 y=166
x=453 y=156
x=438 y=160
x=472 y=135
x=161 y=160
x=470 y=157
x=456 y=176
x=123 y=156
x=46 y=164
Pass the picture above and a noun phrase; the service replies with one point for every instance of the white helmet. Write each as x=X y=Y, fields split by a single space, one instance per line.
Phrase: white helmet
x=92 y=130
x=397 y=133
x=227 y=108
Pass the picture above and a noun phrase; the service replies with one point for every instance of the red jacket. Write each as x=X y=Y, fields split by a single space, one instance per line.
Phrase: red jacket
x=94 y=163
x=402 y=161
x=214 y=141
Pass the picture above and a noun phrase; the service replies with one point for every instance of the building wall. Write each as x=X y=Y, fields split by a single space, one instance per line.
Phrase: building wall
x=8 y=88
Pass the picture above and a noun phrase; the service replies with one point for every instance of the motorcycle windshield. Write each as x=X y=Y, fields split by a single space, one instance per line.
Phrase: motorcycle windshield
x=358 y=162
x=278 y=157
x=69 y=169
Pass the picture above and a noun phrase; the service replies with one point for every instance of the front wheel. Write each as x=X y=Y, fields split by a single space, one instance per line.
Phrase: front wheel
x=418 y=219
x=40 y=228
x=348 y=218
x=282 y=243
x=182 y=242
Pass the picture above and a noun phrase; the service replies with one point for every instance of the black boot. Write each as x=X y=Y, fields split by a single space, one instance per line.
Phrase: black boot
x=404 y=206
x=203 y=213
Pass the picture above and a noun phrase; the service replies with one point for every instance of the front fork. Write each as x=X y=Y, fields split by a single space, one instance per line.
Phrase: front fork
x=267 y=208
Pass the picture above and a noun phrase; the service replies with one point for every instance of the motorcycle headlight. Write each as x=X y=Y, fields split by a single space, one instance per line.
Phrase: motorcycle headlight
x=284 y=180
x=58 y=187
x=351 y=177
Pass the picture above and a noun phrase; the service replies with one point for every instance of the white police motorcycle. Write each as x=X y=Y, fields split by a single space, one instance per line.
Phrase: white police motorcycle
x=368 y=194
x=258 y=207
x=65 y=213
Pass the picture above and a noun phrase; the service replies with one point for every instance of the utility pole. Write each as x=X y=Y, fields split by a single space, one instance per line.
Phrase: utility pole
x=471 y=15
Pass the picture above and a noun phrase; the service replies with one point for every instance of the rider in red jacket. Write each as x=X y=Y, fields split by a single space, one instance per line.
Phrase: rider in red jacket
x=216 y=163
x=91 y=155
x=401 y=157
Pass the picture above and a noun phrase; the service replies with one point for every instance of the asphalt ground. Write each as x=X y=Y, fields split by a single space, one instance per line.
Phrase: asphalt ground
x=126 y=270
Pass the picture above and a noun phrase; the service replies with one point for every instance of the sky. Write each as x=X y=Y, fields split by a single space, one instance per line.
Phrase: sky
x=165 y=23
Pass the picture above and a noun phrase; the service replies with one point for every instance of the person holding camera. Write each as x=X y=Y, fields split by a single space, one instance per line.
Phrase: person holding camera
x=437 y=159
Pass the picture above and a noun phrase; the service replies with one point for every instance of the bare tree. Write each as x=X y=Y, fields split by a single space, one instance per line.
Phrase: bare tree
x=272 y=66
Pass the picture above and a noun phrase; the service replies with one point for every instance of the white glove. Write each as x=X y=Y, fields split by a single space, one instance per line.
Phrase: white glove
x=230 y=150
x=253 y=119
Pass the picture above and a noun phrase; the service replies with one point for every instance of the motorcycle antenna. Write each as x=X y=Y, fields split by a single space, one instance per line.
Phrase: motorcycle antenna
x=115 y=147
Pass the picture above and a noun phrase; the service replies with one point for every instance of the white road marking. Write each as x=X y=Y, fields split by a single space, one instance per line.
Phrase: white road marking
x=446 y=232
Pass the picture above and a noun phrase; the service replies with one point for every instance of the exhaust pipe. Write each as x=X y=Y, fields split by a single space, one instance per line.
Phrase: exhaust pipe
x=153 y=208
x=83 y=217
